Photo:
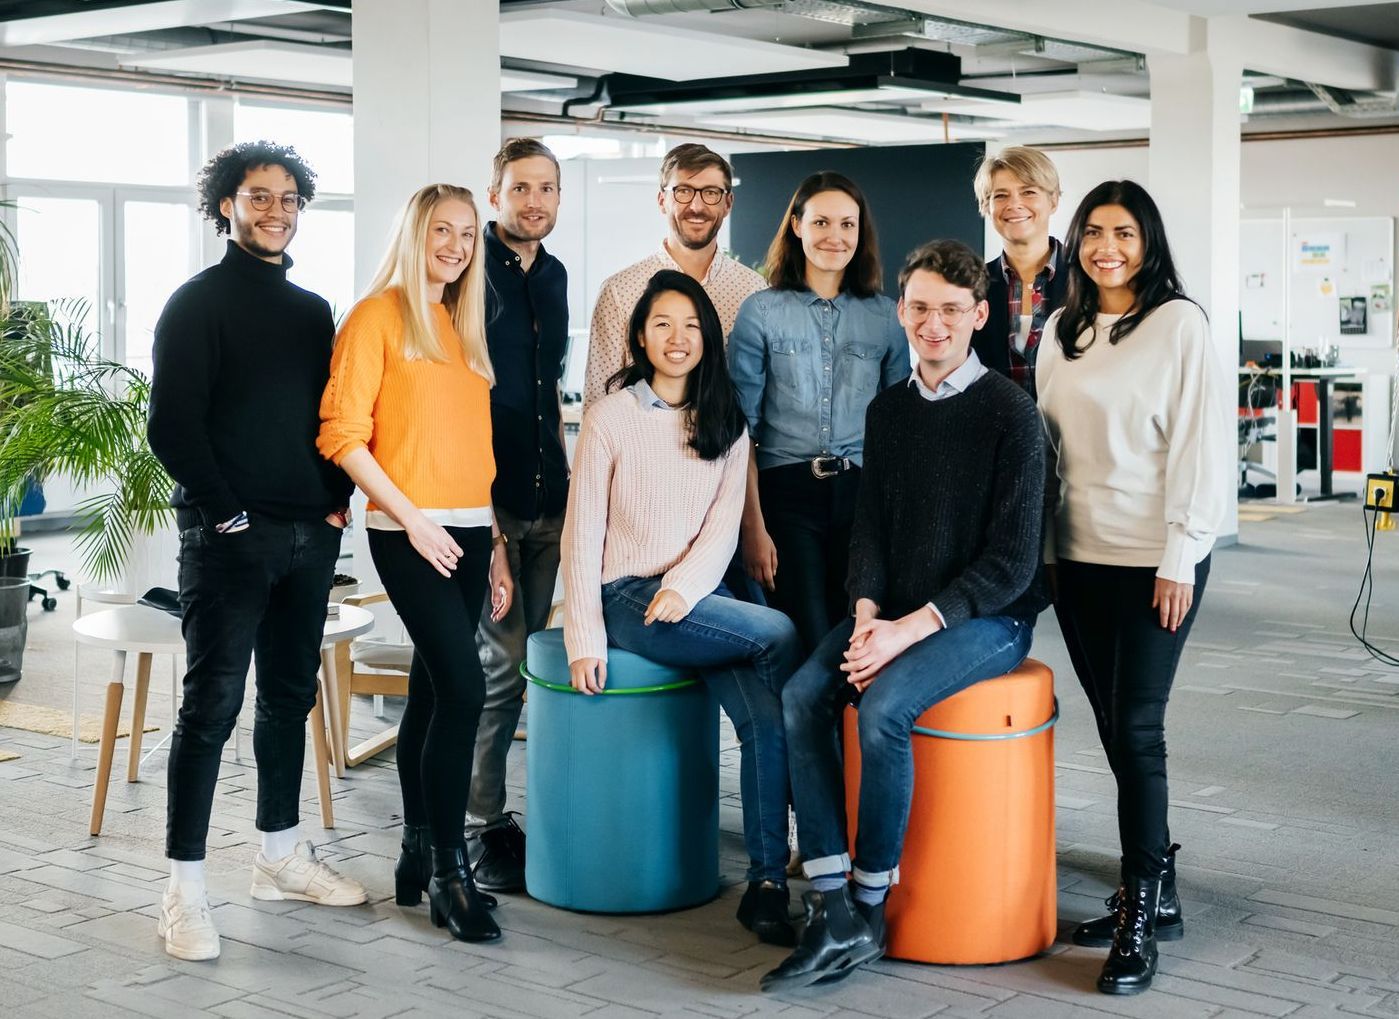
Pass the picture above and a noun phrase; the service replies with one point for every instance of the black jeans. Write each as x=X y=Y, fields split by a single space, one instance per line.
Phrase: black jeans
x=809 y=520
x=446 y=687
x=257 y=593
x=1126 y=663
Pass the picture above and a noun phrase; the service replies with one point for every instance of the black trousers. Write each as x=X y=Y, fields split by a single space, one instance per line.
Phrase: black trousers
x=446 y=687
x=809 y=520
x=1126 y=663
x=259 y=593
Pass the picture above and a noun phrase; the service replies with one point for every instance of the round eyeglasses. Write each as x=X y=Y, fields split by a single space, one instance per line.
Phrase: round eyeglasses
x=262 y=200
x=684 y=194
x=951 y=314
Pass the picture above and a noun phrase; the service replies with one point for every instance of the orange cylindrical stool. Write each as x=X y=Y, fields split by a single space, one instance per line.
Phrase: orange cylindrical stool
x=976 y=880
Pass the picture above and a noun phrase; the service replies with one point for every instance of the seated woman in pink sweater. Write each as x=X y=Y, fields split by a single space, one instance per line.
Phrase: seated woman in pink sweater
x=653 y=514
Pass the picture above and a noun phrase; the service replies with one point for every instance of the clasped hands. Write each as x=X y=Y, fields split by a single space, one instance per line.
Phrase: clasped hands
x=876 y=642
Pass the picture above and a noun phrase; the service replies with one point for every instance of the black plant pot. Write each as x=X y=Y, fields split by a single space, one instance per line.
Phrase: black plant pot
x=14 y=626
x=14 y=561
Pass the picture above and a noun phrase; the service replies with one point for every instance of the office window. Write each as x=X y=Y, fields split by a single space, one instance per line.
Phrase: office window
x=323 y=257
x=324 y=138
x=116 y=136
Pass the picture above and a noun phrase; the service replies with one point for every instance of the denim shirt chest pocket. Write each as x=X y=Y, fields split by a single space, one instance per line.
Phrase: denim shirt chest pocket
x=790 y=369
x=858 y=372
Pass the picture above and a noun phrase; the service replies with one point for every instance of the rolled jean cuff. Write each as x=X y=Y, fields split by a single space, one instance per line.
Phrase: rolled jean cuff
x=875 y=879
x=826 y=866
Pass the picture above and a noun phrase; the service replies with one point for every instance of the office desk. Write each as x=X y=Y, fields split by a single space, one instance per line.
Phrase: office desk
x=1325 y=423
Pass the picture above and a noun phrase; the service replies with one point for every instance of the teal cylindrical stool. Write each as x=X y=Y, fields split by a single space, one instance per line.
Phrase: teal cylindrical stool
x=623 y=786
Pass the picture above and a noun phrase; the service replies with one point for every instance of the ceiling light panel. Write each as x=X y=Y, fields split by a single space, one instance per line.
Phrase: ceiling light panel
x=851 y=125
x=1088 y=111
x=646 y=47
x=259 y=59
x=847 y=96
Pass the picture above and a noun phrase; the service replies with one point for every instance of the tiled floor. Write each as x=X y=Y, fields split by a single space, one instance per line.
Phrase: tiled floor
x=1283 y=761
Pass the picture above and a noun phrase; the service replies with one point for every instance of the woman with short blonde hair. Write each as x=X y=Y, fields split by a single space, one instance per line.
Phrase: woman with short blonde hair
x=407 y=415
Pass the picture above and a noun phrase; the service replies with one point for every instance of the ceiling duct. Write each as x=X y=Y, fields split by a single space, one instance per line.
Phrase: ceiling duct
x=1358 y=105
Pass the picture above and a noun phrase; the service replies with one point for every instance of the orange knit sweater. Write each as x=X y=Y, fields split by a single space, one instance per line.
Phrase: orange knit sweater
x=428 y=423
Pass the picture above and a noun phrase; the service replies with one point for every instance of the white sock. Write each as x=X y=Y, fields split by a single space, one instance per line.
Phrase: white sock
x=189 y=873
x=278 y=845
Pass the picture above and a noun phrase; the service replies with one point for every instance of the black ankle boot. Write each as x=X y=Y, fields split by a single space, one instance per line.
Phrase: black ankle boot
x=1131 y=961
x=874 y=916
x=455 y=902
x=763 y=910
x=835 y=941
x=413 y=870
x=1170 y=924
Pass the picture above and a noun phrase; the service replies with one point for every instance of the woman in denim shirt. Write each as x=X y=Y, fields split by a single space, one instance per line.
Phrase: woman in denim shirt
x=806 y=357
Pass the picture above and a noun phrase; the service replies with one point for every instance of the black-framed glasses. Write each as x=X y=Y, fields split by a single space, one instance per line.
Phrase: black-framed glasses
x=684 y=194
x=262 y=200
x=951 y=314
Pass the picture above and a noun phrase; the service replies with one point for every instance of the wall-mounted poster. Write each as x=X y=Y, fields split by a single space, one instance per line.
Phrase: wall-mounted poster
x=1317 y=252
x=1353 y=316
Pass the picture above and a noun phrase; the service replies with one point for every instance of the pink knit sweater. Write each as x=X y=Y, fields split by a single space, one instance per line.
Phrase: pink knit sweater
x=643 y=504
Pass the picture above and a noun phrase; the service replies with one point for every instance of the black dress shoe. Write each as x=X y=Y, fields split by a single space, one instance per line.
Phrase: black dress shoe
x=835 y=941
x=413 y=870
x=1170 y=924
x=1131 y=961
x=455 y=902
x=763 y=910
x=498 y=856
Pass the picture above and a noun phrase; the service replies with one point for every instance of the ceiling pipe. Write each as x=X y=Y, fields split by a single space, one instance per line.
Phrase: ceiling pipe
x=642 y=8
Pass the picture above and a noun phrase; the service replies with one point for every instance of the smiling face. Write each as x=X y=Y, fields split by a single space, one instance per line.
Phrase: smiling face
x=263 y=233
x=693 y=224
x=528 y=199
x=1111 y=254
x=939 y=319
x=672 y=338
x=1020 y=211
x=829 y=229
x=451 y=238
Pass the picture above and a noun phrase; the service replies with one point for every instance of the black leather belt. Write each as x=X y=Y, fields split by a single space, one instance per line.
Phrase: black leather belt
x=830 y=466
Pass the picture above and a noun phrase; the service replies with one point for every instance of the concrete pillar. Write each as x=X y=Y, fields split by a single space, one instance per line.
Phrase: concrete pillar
x=427 y=110
x=1194 y=178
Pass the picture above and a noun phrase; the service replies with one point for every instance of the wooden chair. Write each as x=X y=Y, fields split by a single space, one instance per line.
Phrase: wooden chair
x=351 y=659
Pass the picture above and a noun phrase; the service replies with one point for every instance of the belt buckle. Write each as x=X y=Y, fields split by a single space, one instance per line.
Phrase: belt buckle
x=820 y=471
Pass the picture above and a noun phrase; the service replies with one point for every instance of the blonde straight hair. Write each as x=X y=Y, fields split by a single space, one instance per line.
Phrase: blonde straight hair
x=404 y=269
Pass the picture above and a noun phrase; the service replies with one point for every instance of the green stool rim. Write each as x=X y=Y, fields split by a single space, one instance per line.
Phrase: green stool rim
x=567 y=688
x=975 y=737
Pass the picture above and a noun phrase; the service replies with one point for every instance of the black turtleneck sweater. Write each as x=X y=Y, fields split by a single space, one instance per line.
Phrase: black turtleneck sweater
x=951 y=503
x=241 y=359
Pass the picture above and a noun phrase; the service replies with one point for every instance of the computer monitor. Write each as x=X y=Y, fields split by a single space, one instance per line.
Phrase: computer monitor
x=575 y=365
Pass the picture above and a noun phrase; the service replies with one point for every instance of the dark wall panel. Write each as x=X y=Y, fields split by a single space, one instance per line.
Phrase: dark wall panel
x=916 y=192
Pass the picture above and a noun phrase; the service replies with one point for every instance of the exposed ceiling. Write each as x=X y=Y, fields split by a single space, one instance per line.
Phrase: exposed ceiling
x=826 y=70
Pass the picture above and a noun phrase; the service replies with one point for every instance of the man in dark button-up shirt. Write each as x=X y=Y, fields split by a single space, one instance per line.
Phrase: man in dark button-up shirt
x=527 y=331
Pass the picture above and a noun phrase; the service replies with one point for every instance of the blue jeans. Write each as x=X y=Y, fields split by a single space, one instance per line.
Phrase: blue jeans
x=745 y=653
x=812 y=702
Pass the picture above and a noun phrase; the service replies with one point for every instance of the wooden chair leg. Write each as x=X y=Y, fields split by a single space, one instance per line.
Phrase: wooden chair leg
x=138 y=715
x=110 y=714
x=330 y=688
x=318 y=751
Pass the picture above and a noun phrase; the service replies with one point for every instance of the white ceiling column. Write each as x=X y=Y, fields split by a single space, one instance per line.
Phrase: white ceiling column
x=426 y=107
x=1194 y=178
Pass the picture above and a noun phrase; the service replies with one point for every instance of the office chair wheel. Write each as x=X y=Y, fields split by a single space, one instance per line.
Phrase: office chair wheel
x=49 y=604
x=63 y=582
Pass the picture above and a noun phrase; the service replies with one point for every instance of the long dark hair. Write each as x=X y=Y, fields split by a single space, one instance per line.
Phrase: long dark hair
x=711 y=406
x=786 y=261
x=1155 y=283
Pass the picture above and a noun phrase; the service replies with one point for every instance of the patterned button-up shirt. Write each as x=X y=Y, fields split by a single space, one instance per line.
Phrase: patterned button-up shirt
x=1022 y=355
x=728 y=283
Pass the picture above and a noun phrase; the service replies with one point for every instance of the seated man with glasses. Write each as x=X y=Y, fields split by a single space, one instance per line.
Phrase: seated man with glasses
x=696 y=197
x=943 y=584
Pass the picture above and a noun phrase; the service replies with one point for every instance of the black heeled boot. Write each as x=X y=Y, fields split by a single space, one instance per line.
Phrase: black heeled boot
x=1131 y=961
x=413 y=870
x=454 y=900
x=836 y=940
x=1170 y=924
x=763 y=910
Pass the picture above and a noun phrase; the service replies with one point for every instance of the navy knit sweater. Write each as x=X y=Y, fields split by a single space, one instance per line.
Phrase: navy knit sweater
x=950 y=504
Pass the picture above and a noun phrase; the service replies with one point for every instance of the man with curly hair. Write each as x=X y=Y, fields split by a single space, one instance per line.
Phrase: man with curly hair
x=242 y=356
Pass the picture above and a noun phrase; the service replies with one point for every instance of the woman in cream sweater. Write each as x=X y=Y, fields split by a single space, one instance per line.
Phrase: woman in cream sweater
x=1135 y=402
x=407 y=415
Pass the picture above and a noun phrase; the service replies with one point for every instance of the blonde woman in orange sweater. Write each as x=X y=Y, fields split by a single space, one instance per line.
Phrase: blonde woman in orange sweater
x=407 y=415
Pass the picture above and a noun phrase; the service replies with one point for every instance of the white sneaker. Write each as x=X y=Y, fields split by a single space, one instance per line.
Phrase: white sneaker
x=186 y=925
x=302 y=877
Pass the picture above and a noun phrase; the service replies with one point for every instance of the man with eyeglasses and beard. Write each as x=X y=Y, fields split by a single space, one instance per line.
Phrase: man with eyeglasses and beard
x=944 y=591
x=696 y=197
x=242 y=356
